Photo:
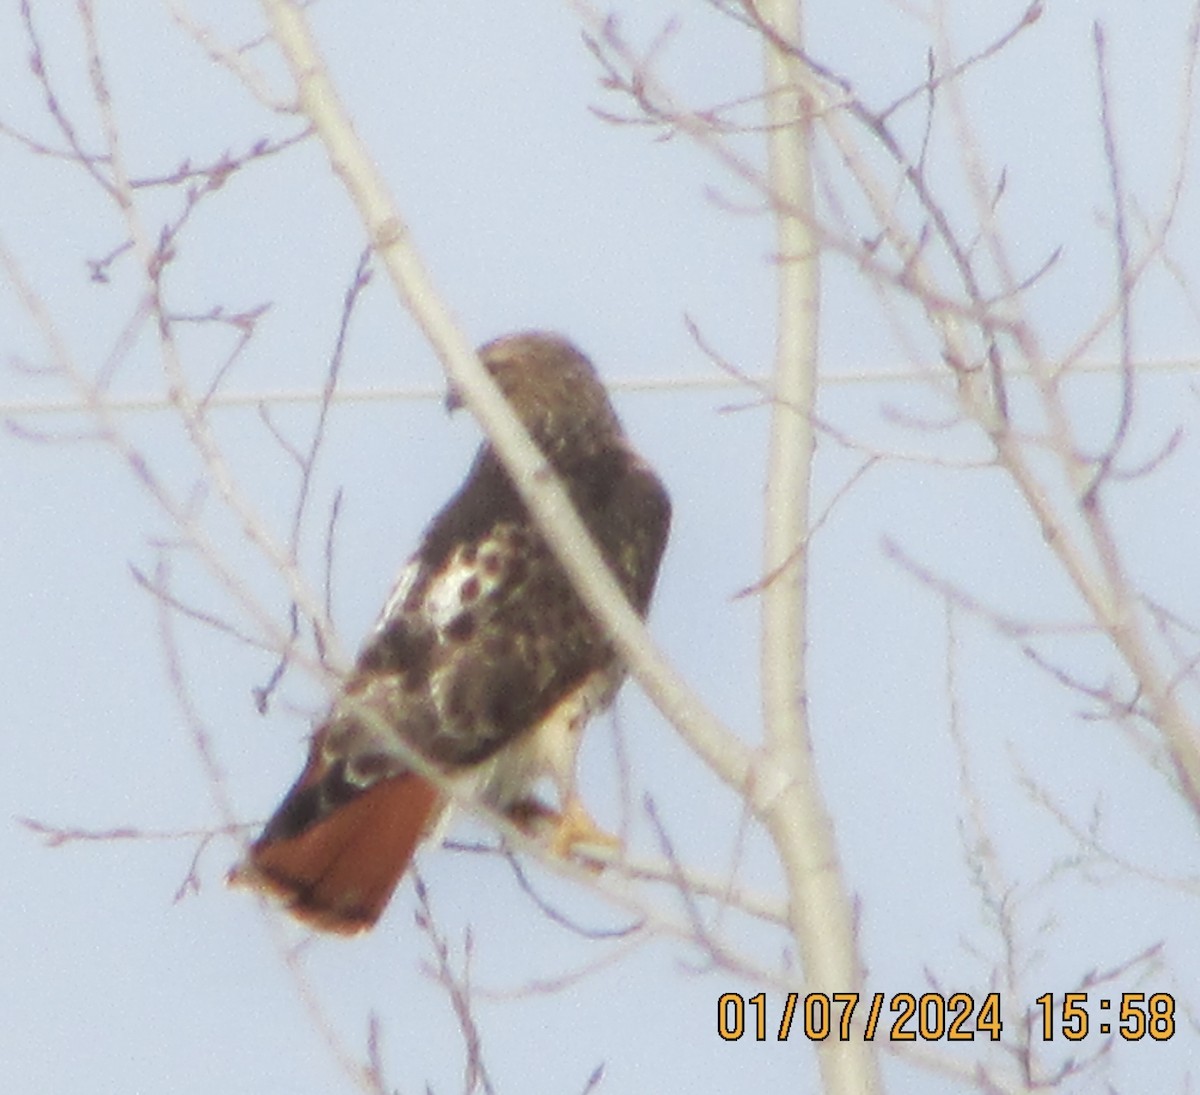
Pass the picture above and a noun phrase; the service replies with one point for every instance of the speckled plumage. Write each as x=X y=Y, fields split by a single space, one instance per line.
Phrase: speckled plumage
x=484 y=660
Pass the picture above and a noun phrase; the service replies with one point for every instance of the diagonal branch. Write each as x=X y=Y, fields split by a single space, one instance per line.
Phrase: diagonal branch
x=728 y=757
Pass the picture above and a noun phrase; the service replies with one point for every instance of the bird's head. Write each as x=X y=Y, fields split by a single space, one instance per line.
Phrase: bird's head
x=555 y=392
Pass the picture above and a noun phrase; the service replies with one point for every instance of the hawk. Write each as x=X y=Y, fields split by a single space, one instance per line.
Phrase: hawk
x=484 y=661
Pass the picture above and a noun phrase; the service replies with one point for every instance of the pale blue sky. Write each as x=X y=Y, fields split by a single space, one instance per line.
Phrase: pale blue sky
x=532 y=212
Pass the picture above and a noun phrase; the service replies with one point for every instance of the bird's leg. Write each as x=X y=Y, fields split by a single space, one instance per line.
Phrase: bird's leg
x=576 y=832
x=568 y=831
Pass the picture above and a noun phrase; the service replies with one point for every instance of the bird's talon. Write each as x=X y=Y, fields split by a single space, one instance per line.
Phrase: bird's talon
x=578 y=836
x=569 y=834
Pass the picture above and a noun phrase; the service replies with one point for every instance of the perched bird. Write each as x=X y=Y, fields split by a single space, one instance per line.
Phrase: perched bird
x=484 y=661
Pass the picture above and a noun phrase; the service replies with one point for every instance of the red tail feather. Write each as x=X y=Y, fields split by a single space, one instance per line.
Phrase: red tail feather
x=339 y=873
